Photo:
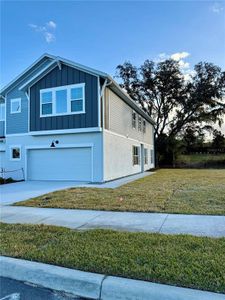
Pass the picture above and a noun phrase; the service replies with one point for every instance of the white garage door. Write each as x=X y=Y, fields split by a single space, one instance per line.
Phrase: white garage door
x=59 y=164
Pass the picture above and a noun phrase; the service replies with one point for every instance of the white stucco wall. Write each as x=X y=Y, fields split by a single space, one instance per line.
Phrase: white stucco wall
x=64 y=140
x=118 y=156
x=119 y=137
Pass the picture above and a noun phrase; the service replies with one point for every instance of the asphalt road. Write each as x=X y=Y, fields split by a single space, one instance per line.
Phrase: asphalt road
x=16 y=290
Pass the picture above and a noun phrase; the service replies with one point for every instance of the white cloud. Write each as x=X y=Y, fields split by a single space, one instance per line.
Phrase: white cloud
x=183 y=64
x=217 y=8
x=179 y=55
x=46 y=31
x=49 y=37
x=51 y=24
x=188 y=74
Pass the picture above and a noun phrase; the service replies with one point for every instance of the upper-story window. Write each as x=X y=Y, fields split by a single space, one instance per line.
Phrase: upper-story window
x=139 y=123
x=2 y=111
x=62 y=100
x=15 y=106
x=144 y=126
x=134 y=119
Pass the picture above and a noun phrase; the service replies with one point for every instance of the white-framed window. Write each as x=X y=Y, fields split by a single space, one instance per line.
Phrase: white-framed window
x=15 y=153
x=152 y=156
x=139 y=123
x=15 y=106
x=2 y=111
x=144 y=126
x=46 y=103
x=145 y=156
x=63 y=100
x=134 y=119
x=136 y=155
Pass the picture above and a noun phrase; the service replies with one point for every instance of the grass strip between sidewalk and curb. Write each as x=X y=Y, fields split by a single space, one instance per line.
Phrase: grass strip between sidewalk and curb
x=186 y=191
x=181 y=260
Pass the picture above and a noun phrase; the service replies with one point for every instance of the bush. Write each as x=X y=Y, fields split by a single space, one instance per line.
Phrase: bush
x=6 y=180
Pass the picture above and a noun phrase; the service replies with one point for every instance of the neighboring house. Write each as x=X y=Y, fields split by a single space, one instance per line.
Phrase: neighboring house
x=60 y=120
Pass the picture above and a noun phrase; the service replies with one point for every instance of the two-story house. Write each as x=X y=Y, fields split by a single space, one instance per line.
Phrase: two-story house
x=60 y=120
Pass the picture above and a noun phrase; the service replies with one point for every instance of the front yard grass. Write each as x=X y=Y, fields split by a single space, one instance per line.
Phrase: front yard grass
x=188 y=191
x=195 y=262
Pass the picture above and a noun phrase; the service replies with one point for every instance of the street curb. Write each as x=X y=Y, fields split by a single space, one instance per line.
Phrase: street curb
x=96 y=286
x=78 y=283
x=115 y=288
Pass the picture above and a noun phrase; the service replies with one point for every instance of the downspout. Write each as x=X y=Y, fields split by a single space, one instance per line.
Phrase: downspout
x=102 y=97
x=4 y=98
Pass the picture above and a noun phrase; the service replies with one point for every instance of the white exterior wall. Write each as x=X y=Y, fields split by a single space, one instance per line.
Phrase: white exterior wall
x=119 y=139
x=65 y=140
x=118 y=156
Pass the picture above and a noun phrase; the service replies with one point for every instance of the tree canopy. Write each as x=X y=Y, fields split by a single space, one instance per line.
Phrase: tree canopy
x=175 y=103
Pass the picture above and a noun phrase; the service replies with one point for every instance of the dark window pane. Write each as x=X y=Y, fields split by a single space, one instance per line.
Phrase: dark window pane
x=16 y=153
x=47 y=109
x=76 y=105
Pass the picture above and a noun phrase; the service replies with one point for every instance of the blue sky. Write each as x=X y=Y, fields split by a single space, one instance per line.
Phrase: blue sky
x=104 y=34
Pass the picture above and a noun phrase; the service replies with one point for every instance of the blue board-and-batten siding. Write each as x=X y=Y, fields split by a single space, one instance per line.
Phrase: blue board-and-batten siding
x=66 y=76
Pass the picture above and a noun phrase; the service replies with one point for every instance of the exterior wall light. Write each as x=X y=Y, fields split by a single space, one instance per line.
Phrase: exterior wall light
x=53 y=143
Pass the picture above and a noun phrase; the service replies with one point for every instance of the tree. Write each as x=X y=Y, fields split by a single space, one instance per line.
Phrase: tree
x=173 y=102
x=218 y=140
x=190 y=138
x=193 y=138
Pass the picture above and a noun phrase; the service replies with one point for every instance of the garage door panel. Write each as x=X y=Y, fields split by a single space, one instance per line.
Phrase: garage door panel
x=60 y=164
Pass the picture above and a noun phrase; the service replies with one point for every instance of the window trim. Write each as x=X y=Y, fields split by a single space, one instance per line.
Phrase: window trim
x=136 y=155
x=3 y=105
x=134 y=120
x=13 y=101
x=69 y=100
x=11 y=152
x=146 y=156
x=144 y=126
x=152 y=158
x=139 y=123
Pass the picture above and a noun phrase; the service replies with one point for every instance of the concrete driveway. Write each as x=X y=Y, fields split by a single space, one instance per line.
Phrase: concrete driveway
x=19 y=191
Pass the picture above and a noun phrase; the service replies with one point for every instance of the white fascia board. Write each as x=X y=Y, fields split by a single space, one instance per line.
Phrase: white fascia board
x=65 y=131
x=26 y=70
x=82 y=67
x=29 y=82
x=55 y=132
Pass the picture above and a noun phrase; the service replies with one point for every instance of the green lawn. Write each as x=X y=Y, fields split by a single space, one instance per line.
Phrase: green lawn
x=189 y=191
x=196 y=262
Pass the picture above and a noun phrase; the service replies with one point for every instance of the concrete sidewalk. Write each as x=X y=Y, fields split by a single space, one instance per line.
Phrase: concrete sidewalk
x=95 y=286
x=198 y=225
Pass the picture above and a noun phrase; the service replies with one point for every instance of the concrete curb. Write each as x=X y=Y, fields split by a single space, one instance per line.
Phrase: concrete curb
x=96 y=286
x=120 y=289
x=78 y=283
